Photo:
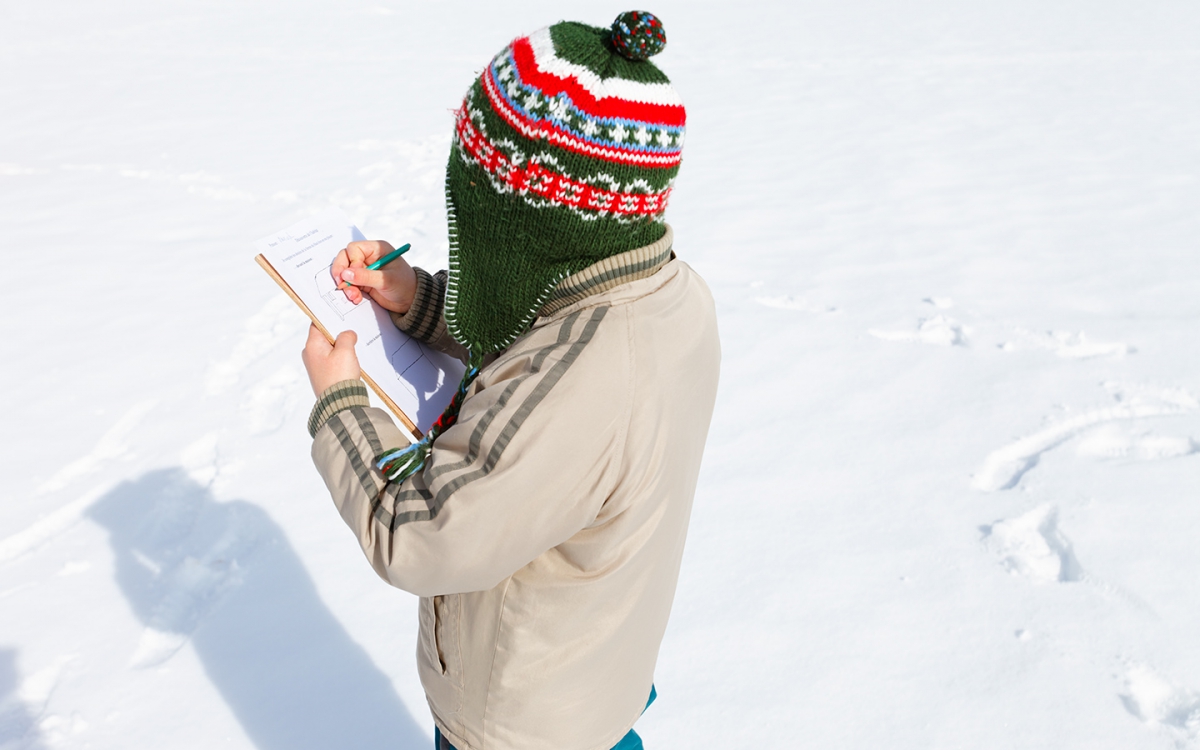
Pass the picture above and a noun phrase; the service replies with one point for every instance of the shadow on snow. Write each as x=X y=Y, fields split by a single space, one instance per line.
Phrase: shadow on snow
x=223 y=576
x=18 y=728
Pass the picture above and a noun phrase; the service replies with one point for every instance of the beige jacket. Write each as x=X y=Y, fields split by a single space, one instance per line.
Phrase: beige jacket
x=544 y=535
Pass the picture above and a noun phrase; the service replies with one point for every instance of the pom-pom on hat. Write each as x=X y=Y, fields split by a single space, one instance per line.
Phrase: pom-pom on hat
x=565 y=150
x=638 y=35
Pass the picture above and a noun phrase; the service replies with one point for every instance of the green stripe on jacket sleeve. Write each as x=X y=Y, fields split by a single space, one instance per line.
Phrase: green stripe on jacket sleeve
x=471 y=484
x=343 y=452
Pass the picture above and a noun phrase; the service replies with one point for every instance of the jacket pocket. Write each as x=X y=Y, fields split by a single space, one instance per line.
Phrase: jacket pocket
x=439 y=631
x=438 y=654
x=447 y=612
x=427 y=652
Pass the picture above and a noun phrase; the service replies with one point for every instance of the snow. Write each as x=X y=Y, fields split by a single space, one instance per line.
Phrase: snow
x=950 y=495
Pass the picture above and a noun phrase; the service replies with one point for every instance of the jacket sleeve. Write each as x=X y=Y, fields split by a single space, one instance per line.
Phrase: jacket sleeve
x=425 y=320
x=533 y=457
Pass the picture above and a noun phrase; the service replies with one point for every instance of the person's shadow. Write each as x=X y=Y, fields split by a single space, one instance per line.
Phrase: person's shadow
x=18 y=727
x=222 y=575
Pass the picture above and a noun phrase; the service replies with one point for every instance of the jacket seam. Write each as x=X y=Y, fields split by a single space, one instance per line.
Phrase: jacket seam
x=487 y=698
x=462 y=667
x=631 y=384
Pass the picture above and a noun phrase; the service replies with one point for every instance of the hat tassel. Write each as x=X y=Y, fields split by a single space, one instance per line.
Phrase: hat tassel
x=399 y=464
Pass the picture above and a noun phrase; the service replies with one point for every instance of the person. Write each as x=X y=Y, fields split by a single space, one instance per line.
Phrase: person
x=542 y=519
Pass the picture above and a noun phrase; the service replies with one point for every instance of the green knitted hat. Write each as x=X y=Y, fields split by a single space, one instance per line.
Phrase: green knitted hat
x=564 y=154
x=565 y=151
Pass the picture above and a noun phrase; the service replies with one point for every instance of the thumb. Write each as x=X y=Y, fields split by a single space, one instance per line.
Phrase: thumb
x=364 y=277
x=345 y=340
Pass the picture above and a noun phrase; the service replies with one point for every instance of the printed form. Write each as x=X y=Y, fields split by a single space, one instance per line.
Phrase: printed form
x=419 y=381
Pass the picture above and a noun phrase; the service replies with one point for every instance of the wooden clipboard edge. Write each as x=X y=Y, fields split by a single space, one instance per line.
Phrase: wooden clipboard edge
x=266 y=266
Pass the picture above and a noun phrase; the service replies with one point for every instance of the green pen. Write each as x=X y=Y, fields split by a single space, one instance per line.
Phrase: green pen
x=383 y=261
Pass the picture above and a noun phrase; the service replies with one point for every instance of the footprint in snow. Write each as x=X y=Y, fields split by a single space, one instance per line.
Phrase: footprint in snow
x=23 y=702
x=13 y=170
x=1158 y=703
x=1065 y=344
x=1032 y=545
x=1116 y=442
x=267 y=405
x=1004 y=467
x=788 y=302
x=29 y=707
x=115 y=444
x=276 y=322
x=938 y=330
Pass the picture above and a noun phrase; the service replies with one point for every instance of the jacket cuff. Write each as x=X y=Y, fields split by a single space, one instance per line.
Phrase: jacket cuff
x=424 y=320
x=345 y=394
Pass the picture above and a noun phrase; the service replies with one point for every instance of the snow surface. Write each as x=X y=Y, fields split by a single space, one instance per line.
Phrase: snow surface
x=952 y=489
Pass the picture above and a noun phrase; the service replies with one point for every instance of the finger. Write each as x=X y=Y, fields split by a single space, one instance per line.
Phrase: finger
x=339 y=266
x=360 y=252
x=367 y=251
x=352 y=293
x=315 y=337
x=316 y=344
x=340 y=263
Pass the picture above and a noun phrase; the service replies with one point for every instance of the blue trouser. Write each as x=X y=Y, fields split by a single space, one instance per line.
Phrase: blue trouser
x=630 y=741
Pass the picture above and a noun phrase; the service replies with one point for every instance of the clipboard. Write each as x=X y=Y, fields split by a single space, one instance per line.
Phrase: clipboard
x=415 y=381
x=408 y=423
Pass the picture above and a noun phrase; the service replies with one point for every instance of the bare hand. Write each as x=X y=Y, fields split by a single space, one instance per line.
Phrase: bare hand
x=329 y=363
x=392 y=286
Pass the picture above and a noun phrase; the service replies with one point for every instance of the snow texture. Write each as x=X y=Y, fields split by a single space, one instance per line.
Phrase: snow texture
x=950 y=497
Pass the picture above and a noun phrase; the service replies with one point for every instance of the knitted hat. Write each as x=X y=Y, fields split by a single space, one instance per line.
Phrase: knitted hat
x=564 y=154
x=565 y=150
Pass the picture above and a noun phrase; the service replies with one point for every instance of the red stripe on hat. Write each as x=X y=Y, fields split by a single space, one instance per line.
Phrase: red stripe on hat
x=609 y=106
x=553 y=186
x=531 y=128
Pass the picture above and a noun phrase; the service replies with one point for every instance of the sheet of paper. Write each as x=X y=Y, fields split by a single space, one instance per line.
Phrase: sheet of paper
x=418 y=379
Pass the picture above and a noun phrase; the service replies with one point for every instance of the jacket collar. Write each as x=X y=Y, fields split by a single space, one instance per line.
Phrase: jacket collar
x=611 y=272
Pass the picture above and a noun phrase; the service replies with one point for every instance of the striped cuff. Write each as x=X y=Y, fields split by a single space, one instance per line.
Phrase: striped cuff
x=345 y=394
x=424 y=320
